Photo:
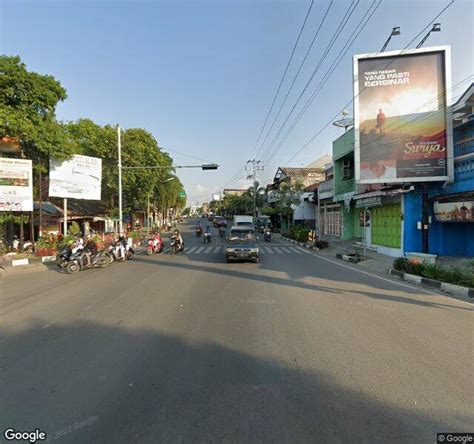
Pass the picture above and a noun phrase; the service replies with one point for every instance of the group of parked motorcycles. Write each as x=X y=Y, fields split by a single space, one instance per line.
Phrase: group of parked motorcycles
x=72 y=257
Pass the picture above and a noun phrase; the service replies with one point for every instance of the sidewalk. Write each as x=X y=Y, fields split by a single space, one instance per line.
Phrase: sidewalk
x=374 y=262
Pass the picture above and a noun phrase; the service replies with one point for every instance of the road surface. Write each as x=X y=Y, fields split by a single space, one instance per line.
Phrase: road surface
x=188 y=348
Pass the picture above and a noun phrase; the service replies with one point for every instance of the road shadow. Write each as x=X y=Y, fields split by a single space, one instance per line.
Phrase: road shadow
x=88 y=383
x=372 y=293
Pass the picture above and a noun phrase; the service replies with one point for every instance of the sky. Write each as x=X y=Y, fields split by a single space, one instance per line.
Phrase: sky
x=201 y=75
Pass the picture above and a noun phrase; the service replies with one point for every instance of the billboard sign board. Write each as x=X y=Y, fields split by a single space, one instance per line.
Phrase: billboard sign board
x=402 y=118
x=16 y=185
x=79 y=177
x=454 y=211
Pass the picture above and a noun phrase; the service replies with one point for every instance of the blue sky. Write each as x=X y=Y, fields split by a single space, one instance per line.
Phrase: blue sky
x=201 y=75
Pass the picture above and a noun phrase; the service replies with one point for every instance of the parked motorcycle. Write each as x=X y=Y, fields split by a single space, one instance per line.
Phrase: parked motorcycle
x=76 y=261
x=175 y=246
x=207 y=238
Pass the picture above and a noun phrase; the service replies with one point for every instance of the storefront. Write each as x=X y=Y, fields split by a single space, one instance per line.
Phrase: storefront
x=383 y=215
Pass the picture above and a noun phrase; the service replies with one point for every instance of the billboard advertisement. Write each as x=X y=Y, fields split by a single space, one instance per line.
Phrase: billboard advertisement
x=402 y=120
x=454 y=211
x=16 y=185
x=79 y=177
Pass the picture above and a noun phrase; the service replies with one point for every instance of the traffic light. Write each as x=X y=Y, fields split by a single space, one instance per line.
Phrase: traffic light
x=210 y=166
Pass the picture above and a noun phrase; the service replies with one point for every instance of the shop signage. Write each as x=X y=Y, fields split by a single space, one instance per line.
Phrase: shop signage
x=16 y=185
x=461 y=211
x=366 y=202
x=402 y=124
x=79 y=178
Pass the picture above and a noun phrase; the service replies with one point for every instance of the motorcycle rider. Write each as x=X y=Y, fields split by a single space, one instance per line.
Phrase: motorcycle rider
x=179 y=239
x=267 y=232
x=90 y=248
x=156 y=240
x=199 y=228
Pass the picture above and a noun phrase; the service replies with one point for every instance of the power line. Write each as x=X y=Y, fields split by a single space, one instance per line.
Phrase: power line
x=357 y=95
x=184 y=154
x=295 y=77
x=284 y=74
x=367 y=16
x=333 y=40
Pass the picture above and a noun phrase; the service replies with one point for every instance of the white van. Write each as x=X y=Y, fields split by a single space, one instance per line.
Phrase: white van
x=243 y=220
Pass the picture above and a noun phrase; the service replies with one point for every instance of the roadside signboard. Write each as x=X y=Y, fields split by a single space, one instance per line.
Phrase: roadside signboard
x=79 y=177
x=402 y=119
x=454 y=211
x=16 y=185
x=182 y=194
x=368 y=202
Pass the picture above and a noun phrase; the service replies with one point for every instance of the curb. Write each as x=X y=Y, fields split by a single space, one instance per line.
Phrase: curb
x=301 y=244
x=455 y=290
x=33 y=263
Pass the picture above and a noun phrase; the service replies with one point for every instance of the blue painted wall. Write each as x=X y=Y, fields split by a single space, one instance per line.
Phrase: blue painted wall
x=445 y=238
x=411 y=215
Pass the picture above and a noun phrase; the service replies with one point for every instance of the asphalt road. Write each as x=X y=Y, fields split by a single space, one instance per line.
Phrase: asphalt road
x=190 y=349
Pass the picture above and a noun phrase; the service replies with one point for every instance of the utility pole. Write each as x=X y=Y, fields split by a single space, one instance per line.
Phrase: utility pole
x=253 y=167
x=119 y=143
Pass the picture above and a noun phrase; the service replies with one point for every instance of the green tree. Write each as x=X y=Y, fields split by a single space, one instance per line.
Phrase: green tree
x=28 y=103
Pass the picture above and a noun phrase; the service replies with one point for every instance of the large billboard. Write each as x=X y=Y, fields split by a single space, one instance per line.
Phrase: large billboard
x=79 y=177
x=402 y=119
x=16 y=185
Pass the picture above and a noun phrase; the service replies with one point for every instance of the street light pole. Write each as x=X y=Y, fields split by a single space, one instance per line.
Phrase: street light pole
x=395 y=31
x=119 y=141
x=436 y=28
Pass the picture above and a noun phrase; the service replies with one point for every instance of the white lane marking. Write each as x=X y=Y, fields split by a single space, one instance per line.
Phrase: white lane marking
x=190 y=250
x=218 y=250
x=269 y=250
x=286 y=250
x=208 y=250
x=380 y=277
x=277 y=250
x=199 y=249
x=295 y=250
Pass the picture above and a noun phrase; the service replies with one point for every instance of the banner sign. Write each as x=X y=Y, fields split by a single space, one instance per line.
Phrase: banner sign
x=16 y=185
x=79 y=177
x=454 y=211
x=402 y=119
x=366 y=202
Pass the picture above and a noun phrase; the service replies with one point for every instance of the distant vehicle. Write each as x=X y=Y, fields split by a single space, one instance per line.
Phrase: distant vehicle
x=242 y=244
x=243 y=220
x=218 y=221
x=262 y=222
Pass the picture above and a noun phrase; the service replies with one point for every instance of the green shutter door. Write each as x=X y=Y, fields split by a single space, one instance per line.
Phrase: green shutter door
x=386 y=225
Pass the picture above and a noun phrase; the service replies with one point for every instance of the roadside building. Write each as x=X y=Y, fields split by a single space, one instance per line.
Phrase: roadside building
x=450 y=205
x=303 y=213
x=330 y=211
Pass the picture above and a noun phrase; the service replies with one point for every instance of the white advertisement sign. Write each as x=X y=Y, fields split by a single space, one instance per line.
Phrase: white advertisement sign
x=79 y=177
x=16 y=185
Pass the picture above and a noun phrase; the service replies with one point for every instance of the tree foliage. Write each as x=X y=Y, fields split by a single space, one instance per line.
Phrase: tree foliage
x=28 y=103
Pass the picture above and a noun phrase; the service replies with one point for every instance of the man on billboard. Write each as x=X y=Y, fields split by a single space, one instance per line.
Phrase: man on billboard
x=406 y=140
